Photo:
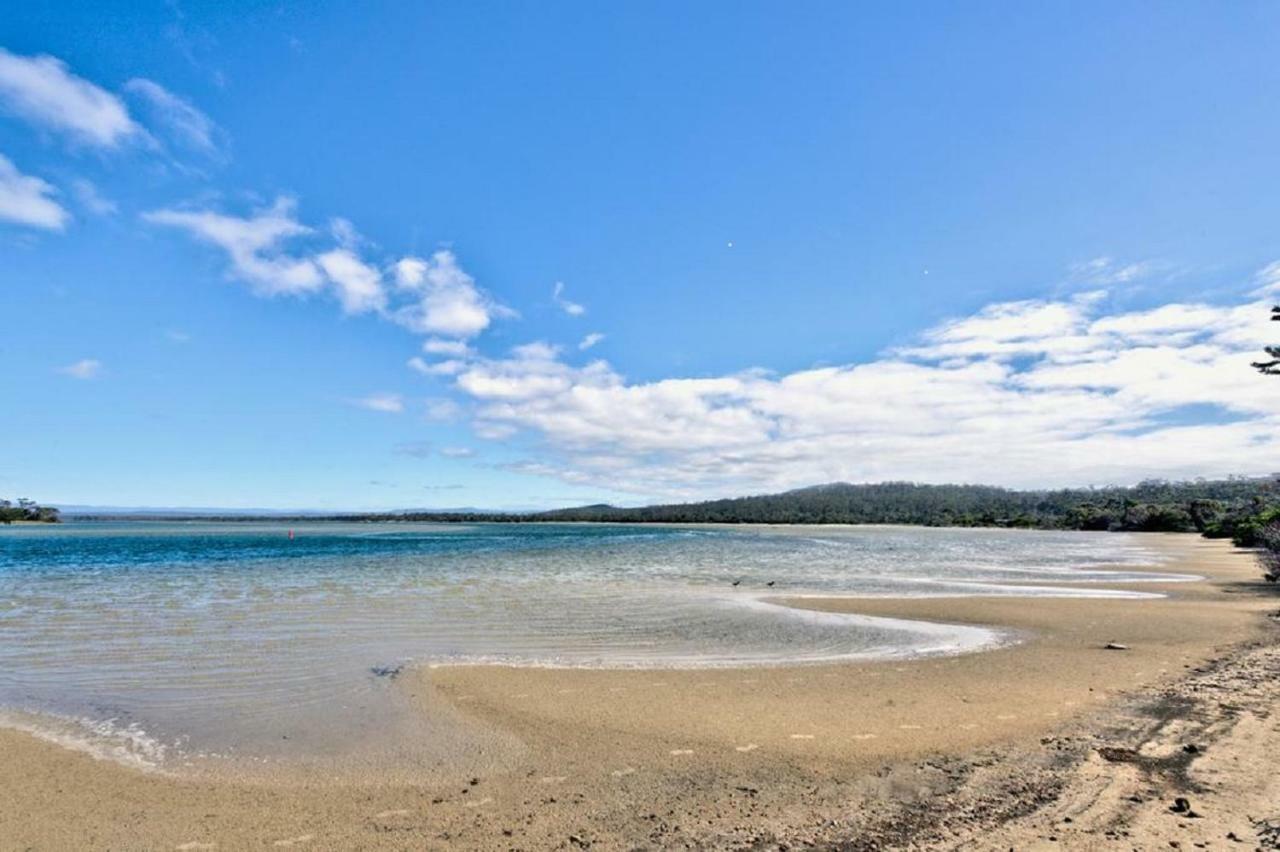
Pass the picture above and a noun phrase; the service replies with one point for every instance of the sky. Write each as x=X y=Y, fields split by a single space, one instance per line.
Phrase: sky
x=518 y=255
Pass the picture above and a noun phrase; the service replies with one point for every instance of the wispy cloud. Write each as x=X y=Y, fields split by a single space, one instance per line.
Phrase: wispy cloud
x=1106 y=271
x=389 y=403
x=573 y=309
x=91 y=199
x=254 y=244
x=42 y=90
x=416 y=449
x=177 y=118
x=84 y=369
x=590 y=340
x=27 y=200
x=457 y=452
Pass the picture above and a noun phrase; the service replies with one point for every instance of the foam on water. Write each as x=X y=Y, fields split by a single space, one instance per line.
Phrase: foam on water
x=164 y=644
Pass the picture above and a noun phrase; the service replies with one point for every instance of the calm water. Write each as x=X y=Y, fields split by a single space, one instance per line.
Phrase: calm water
x=175 y=643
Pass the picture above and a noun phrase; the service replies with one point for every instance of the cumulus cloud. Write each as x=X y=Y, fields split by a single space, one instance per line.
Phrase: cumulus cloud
x=390 y=403
x=42 y=90
x=27 y=200
x=358 y=285
x=177 y=118
x=84 y=369
x=254 y=243
x=573 y=309
x=446 y=299
x=1031 y=393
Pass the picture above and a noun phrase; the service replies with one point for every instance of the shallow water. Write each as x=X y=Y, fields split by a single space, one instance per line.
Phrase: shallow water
x=180 y=643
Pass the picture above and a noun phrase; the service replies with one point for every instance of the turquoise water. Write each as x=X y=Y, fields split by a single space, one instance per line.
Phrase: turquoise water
x=171 y=643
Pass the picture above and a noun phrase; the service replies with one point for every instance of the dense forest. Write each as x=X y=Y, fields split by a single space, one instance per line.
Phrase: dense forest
x=1239 y=508
x=26 y=510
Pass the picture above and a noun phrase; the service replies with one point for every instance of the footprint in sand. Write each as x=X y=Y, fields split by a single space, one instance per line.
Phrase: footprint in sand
x=747 y=747
x=553 y=779
x=622 y=773
x=396 y=813
x=193 y=844
x=681 y=751
x=864 y=736
x=294 y=841
x=802 y=736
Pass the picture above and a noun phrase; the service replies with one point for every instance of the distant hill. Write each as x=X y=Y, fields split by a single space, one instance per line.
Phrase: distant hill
x=1236 y=507
x=1202 y=505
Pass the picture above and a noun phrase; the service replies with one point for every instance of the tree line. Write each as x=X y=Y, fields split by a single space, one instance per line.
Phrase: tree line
x=27 y=510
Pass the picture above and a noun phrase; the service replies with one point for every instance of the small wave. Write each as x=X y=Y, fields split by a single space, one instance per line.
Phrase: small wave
x=103 y=739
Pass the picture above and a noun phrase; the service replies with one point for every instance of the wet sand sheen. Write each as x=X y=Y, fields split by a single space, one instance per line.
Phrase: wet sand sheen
x=618 y=744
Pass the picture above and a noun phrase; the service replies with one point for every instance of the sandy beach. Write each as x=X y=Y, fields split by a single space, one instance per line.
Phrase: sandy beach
x=1053 y=741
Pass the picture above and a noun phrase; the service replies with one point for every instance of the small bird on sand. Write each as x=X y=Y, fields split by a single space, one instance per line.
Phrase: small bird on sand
x=736 y=583
x=770 y=584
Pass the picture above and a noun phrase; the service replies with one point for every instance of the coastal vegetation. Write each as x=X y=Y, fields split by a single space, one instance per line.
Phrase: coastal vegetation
x=27 y=510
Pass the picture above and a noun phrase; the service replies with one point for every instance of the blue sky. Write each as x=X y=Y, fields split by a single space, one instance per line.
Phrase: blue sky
x=536 y=254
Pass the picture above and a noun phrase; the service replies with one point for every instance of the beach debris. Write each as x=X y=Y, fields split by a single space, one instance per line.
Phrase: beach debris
x=391 y=672
x=1111 y=754
x=1191 y=748
x=1183 y=807
x=1115 y=646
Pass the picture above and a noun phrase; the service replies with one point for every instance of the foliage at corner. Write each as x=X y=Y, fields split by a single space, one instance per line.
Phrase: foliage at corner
x=27 y=510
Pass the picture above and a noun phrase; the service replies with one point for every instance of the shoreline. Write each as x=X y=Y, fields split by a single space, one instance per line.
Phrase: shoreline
x=641 y=758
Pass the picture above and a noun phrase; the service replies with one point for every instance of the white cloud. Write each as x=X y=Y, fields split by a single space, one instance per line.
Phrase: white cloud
x=457 y=452
x=179 y=120
x=254 y=244
x=573 y=309
x=390 y=403
x=590 y=340
x=84 y=369
x=450 y=367
x=92 y=200
x=454 y=348
x=1025 y=394
x=28 y=200
x=358 y=285
x=1106 y=271
x=447 y=300
x=43 y=90
x=442 y=410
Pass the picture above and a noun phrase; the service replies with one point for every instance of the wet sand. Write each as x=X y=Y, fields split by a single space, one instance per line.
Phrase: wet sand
x=843 y=754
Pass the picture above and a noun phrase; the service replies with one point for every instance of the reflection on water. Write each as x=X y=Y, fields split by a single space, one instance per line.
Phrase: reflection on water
x=174 y=640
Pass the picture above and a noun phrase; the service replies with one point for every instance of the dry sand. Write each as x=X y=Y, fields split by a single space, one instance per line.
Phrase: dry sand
x=1055 y=737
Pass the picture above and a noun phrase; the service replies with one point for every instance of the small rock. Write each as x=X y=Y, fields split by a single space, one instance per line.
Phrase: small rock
x=1191 y=748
